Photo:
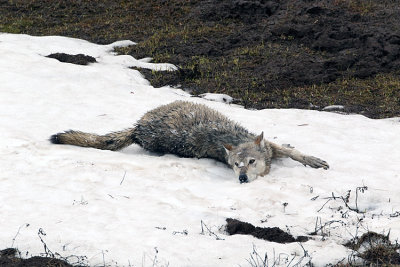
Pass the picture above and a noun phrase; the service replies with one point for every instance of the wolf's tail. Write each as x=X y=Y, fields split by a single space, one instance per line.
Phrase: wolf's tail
x=111 y=141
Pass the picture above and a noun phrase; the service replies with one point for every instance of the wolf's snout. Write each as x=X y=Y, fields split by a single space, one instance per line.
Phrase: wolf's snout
x=243 y=178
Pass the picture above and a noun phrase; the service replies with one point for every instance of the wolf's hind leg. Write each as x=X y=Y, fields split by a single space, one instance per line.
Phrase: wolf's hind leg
x=288 y=151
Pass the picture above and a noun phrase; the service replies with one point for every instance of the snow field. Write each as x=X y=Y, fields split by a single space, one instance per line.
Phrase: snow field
x=131 y=206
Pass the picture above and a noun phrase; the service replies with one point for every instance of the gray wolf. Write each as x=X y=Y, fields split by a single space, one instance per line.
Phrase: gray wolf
x=194 y=130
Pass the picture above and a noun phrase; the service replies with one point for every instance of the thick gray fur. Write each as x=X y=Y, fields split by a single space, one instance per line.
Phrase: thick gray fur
x=192 y=130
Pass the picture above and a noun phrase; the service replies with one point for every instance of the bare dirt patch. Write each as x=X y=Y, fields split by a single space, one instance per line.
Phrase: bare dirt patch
x=79 y=59
x=265 y=54
x=272 y=234
x=376 y=248
x=9 y=258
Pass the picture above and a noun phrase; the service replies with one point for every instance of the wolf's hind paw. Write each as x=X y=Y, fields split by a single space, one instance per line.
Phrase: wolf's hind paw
x=315 y=162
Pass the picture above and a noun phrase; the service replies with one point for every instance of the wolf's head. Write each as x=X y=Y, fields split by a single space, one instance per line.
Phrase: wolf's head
x=250 y=159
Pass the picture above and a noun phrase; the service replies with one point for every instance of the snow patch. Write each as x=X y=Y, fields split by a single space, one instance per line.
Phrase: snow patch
x=111 y=205
x=333 y=108
x=217 y=97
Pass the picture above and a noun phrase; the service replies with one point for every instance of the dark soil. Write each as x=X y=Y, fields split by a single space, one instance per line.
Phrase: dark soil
x=376 y=249
x=9 y=258
x=79 y=59
x=265 y=54
x=274 y=234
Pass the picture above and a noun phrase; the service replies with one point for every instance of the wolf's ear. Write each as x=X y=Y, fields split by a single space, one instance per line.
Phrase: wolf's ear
x=228 y=148
x=259 y=140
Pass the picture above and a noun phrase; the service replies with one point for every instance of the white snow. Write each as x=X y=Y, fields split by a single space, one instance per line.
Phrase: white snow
x=136 y=208
x=333 y=108
x=217 y=97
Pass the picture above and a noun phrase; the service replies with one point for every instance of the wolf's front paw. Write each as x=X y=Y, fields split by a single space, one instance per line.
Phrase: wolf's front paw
x=315 y=162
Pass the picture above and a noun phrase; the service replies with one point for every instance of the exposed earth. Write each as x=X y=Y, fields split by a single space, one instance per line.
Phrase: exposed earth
x=272 y=234
x=266 y=54
x=10 y=258
x=79 y=59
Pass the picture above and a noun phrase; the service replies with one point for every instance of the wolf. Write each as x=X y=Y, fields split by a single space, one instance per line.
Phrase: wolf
x=194 y=130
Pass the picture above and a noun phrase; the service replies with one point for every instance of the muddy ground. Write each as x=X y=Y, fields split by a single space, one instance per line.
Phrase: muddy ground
x=272 y=234
x=266 y=54
x=79 y=59
x=10 y=258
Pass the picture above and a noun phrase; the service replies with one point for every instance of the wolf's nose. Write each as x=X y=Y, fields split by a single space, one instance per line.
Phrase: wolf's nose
x=243 y=178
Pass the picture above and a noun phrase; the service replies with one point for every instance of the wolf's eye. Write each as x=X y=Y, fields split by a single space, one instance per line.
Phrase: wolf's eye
x=237 y=164
x=252 y=161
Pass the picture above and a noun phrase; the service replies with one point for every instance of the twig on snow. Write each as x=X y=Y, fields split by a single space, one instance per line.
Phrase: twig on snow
x=210 y=233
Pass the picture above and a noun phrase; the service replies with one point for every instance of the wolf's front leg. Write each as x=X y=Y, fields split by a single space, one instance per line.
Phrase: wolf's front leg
x=287 y=151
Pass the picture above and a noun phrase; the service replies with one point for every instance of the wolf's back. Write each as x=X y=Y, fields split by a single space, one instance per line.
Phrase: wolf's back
x=182 y=128
x=189 y=129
